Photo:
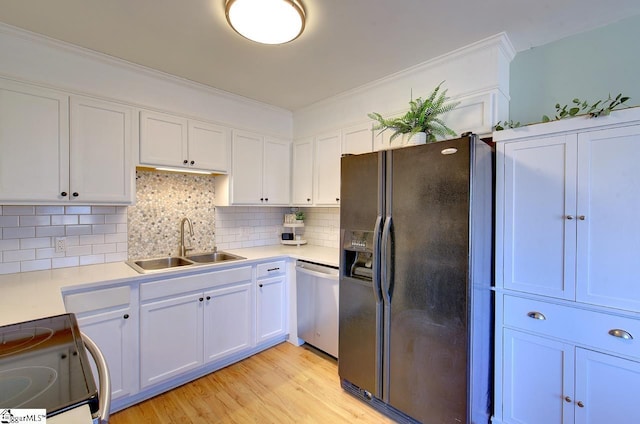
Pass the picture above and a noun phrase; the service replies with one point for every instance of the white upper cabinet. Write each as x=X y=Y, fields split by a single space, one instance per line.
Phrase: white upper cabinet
x=102 y=168
x=34 y=143
x=302 y=172
x=357 y=139
x=49 y=155
x=168 y=140
x=327 y=166
x=260 y=172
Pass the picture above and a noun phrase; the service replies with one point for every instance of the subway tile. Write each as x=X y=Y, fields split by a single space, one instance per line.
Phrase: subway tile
x=73 y=241
x=18 y=210
x=115 y=257
x=17 y=233
x=9 y=221
x=64 y=219
x=12 y=244
x=65 y=262
x=9 y=268
x=36 y=265
x=103 y=229
x=51 y=231
x=78 y=230
x=91 y=239
x=91 y=219
x=115 y=219
x=35 y=221
x=49 y=210
x=103 y=209
x=77 y=210
x=122 y=247
x=116 y=238
x=121 y=228
x=35 y=243
x=78 y=250
x=91 y=259
x=48 y=253
x=104 y=248
x=18 y=255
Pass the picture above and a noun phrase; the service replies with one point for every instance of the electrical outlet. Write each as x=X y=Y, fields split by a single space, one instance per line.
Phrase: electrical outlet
x=61 y=244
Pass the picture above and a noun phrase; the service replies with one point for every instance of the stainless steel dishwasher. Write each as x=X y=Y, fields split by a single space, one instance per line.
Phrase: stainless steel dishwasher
x=317 y=305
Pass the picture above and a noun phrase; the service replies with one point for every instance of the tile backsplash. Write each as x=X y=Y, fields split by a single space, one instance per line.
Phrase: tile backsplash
x=151 y=227
x=92 y=234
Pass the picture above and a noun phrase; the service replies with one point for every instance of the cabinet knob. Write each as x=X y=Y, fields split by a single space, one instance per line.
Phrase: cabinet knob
x=580 y=404
x=570 y=217
x=622 y=334
x=63 y=194
x=185 y=161
x=201 y=299
x=567 y=399
x=262 y=199
x=75 y=194
x=337 y=199
x=192 y=162
x=208 y=297
x=582 y=217
x=308 y=199
x=259 y=285
x=266 y=199
x=536 y=315
x=126 y=316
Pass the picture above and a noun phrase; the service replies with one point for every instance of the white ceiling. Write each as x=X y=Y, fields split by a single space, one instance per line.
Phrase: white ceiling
x=346 y=43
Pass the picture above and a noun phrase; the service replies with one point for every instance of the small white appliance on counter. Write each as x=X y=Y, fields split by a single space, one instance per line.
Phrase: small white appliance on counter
x=44 y=365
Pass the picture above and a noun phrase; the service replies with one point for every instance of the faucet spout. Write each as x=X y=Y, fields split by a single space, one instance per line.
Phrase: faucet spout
x=183 y=248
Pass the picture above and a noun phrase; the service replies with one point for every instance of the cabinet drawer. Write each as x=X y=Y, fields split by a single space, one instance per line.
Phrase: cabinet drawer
x=189 y=283
x=271 y=269
x=97 y=299
x=582 y=327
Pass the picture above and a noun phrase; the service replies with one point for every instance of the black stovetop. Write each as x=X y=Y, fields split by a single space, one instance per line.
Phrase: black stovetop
x=44 y=364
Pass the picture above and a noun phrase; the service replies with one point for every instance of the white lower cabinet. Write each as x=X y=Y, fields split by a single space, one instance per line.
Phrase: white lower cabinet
x=109 y=319
x=271 y=298
x=548 y=381
x=188 y=321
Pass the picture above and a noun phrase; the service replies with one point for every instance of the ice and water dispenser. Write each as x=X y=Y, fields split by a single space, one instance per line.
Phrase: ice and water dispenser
x=357 y=254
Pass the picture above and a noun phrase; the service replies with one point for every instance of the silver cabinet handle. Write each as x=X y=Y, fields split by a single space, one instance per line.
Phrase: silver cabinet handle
x=616 y=332
x=536 y=315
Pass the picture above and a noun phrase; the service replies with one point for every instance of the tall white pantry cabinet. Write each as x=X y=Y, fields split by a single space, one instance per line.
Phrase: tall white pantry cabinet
x=567 y=271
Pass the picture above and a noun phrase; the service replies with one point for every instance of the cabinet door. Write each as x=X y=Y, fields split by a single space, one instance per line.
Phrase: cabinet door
x=170 y=338
x=327 y=176
x=163 y=139
x=607 y=389
x=539 y=198
x=537 y=377
x=357 y=139
x=228 y=321
x=209 y=146
x=302 y=172
x=271 y=308
x=608 y=228
x=277 y=175
x=114 y=333
x=34 y=143
x=247 y=168
x=100 y=152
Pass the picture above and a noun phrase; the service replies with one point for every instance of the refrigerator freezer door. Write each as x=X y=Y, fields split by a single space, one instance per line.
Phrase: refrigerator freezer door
x=426 y=372
x=360 y=308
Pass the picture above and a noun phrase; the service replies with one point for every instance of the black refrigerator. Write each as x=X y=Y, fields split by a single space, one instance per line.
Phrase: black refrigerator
x=415 y=314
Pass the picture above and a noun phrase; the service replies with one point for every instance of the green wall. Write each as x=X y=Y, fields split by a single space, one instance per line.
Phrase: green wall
x=588 y=66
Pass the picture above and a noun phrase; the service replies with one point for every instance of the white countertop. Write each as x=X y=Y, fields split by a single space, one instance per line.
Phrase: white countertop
x=31 y=295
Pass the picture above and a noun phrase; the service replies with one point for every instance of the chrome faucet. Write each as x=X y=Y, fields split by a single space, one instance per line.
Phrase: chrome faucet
x=183 y=248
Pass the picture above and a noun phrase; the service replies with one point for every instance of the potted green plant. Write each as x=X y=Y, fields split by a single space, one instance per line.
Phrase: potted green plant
x=299 y=216
x=422 y=118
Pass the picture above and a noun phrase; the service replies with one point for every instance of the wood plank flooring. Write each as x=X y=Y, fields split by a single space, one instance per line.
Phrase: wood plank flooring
x=285 y=384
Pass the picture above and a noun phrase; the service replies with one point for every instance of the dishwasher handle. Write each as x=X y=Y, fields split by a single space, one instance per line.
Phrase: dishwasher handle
x=331 y=275
x=104 y=390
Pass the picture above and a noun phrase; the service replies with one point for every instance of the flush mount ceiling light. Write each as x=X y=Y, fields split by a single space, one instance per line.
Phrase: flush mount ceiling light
x=266 y=21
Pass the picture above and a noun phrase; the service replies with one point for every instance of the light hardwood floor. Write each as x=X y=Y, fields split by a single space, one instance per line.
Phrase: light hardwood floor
x=285 y=384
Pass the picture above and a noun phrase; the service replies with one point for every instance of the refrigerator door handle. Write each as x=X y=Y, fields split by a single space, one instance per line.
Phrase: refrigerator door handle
x=377 y=288
x=385 y=258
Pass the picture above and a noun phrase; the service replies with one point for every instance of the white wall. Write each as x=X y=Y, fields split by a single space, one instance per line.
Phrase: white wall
x=37 y=59
x=476 y=71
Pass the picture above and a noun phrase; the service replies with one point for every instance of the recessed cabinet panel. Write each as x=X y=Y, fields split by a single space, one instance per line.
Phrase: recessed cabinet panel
x=357 y=139
x=539 y=196
x=100 y=151
x=327 y=176
x=272 y=309
x=247 y=168
x=163 y=139
x=607 y=217
x=302 y=172
x=34 y=143
x=277 y=174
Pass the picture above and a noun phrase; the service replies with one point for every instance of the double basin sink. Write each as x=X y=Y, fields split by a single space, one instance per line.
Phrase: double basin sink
x=144 y=266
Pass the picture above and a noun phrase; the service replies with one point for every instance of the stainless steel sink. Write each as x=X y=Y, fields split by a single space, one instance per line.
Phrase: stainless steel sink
x=213 y=257
x=145 y=266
